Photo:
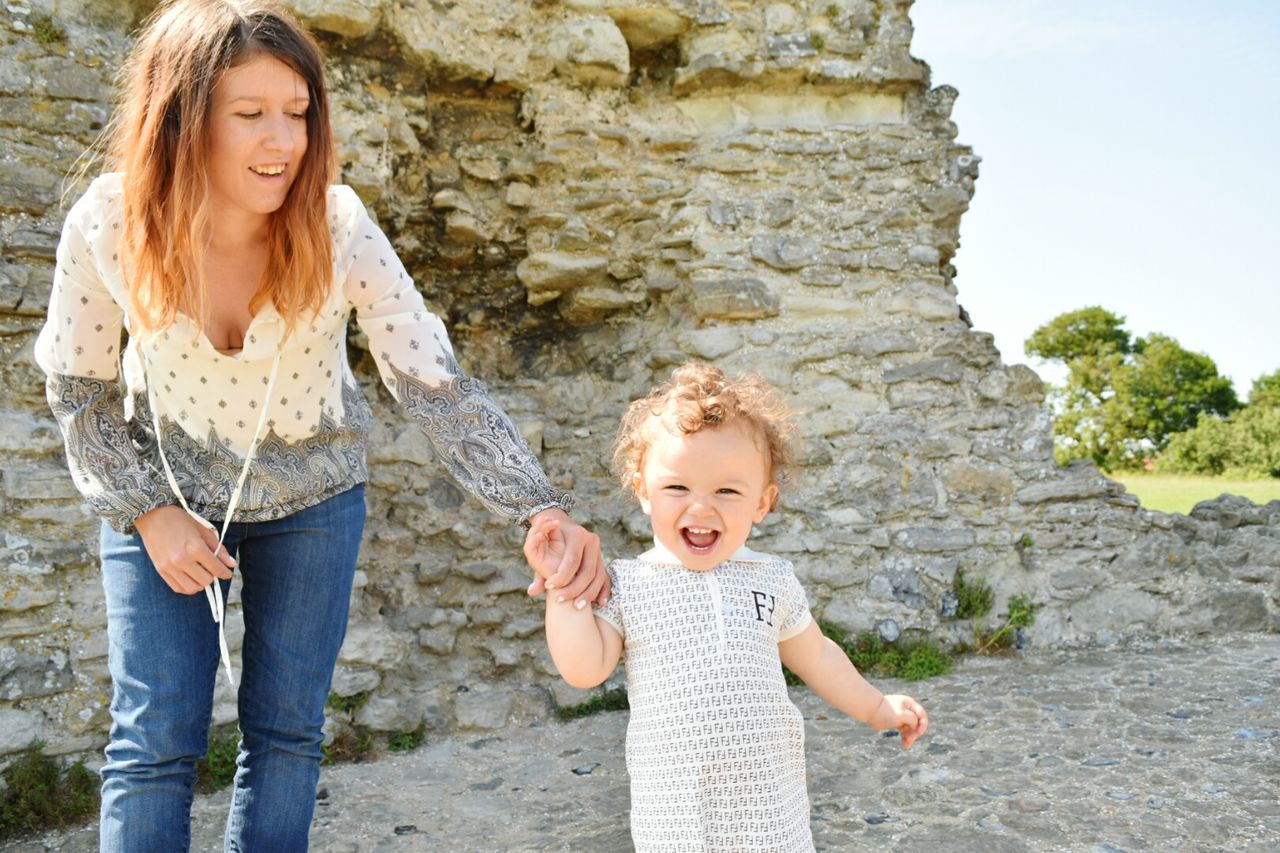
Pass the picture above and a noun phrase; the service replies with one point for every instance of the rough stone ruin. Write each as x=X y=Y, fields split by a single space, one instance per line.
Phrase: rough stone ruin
x=591 y=192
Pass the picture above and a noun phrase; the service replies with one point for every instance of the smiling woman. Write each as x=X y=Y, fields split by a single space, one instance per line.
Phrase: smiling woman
x=257 y=146
x=222 y=247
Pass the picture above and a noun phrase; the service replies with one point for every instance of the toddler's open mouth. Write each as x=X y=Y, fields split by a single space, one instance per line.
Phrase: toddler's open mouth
x=699 y=540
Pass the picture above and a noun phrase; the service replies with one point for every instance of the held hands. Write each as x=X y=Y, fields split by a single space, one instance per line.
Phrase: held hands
x=904 y=714
x=567 y=559
x=182 y=550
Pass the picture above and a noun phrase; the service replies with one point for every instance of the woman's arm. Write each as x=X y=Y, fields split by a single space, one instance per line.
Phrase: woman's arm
x=470 y=433
x=79 y=351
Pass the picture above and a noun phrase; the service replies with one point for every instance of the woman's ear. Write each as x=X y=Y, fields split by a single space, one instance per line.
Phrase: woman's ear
x=768 y=498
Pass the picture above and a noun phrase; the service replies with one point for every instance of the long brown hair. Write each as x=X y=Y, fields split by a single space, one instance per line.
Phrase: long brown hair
x=159 y=139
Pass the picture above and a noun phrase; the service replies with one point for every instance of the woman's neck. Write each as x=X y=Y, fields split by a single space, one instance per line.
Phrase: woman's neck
x=236 y=233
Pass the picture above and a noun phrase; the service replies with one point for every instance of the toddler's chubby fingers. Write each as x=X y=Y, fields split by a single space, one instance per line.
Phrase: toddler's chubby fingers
x=915 y=727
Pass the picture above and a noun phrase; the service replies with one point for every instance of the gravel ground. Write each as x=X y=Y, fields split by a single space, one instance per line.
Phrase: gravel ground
x=1166 y=746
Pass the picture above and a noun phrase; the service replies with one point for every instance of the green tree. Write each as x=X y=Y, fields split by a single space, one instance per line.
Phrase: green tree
x=1266 y=390
x=1124 y=397
x=1246 y=445
x=1166 y=389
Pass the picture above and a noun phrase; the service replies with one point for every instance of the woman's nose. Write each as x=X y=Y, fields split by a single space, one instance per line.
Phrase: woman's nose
x=281 y=134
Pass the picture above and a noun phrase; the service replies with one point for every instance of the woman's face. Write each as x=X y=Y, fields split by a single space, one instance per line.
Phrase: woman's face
x=258 y=136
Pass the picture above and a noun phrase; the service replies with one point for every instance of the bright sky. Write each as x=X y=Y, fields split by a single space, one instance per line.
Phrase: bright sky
x=1130 y=159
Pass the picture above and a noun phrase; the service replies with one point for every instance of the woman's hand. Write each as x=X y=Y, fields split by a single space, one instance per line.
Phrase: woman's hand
x=579 y=576
x=182 y=550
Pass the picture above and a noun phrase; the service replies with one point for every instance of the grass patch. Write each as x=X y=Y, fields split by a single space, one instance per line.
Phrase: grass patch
x=407 y=741
x=910 y=661
x=974 y=597
x=40 y=793
x=609 y=700
x=349 y=704
x=46 y=31
x=1179 y=493
x=351 y=745
x=217 y=769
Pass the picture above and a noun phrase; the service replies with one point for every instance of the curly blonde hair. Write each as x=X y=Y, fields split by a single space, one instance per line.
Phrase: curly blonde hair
x=700 y=396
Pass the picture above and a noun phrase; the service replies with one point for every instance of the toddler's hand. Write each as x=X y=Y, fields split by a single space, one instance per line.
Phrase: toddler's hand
x=544 y=546
x=904 y=714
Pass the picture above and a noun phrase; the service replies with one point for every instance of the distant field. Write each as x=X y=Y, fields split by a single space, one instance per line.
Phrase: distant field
x=1168 y=493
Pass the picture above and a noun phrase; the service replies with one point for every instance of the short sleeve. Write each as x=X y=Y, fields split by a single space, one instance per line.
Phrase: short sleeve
x=793 y=603
x=611 y=612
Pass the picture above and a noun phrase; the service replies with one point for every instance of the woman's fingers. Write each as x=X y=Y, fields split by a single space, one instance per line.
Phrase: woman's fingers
x=221 y=561
x=566 y=574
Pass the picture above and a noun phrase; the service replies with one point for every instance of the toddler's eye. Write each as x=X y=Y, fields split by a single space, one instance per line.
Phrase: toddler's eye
x=676 y=487
x=728 y=491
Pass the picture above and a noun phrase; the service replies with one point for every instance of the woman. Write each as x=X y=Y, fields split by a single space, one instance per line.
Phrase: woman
x=222 y=248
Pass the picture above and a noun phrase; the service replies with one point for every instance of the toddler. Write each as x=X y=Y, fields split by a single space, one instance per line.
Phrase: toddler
x=715 y=749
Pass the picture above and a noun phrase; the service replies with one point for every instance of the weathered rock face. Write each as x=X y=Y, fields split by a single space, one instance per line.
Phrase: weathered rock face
x=591 y=192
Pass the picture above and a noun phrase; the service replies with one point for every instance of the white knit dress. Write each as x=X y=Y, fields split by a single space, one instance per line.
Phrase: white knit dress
x=715 y=748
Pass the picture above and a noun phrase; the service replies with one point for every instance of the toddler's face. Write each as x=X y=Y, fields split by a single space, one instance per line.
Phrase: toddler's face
x=702 y=492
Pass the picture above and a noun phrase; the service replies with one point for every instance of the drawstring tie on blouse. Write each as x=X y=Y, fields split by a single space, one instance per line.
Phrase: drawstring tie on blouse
x=213 y=592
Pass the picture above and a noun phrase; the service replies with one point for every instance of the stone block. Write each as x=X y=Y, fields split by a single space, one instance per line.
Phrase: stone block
x=19 y=728
x=734 y=299
x=545 y=272
x=388 y=713
x=783 y=252
x=350 y=18
x=372 y=644
x=590 y=50
x=483 y=707
x=26 y=676
x=440 y=45
x=648 y=27
x=934 y=538
x=923 y=300
x=711 y=343
x=1116 y=609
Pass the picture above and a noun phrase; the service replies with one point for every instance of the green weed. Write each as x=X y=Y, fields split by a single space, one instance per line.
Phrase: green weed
x=1022 y=614
x=975 y=597
x=46 y=31
x=353 y=745
x=218 y=767
x=910 y=660
x=349 y=704
x=407 y=741
x=609 y=700
x=39 y=793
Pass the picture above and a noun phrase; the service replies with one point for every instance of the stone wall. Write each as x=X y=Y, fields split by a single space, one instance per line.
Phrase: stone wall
x=591 y=192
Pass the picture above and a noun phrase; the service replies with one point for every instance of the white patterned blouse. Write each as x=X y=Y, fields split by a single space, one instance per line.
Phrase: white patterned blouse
x=715 y=748
x=209 y=405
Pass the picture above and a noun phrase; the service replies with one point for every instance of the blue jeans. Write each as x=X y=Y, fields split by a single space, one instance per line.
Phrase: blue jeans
x=295 y=575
